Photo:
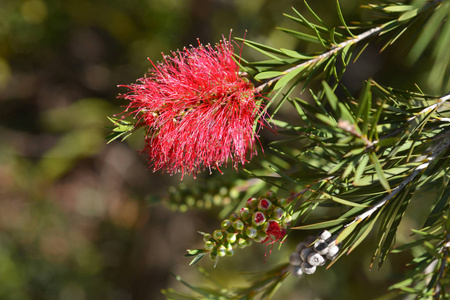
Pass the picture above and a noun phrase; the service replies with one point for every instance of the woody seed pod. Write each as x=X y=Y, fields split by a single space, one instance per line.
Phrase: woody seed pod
x=325 y=235
x=307 y=268
x=305 y=253
x=333 y=250
x=321 y=247
x=296 y=271
x=294 y=259
x=315 y=259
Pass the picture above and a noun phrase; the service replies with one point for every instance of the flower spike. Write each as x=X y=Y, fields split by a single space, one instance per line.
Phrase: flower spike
x=198 y=110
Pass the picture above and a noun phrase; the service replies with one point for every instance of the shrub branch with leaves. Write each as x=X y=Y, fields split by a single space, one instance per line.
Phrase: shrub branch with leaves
x=363 y=157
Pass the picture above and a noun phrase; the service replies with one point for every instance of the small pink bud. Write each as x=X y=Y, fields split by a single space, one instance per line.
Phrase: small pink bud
x=244 y=213
x=264 y=205
x=252 y=203
x=258 y=218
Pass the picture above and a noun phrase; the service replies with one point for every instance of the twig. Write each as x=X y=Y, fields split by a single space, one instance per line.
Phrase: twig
x=338 y=47
x=435 y=152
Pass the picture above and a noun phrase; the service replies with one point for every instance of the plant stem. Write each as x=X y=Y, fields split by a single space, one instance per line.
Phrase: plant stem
x=372 y=32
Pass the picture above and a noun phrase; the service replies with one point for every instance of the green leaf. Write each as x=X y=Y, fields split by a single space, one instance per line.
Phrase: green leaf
x=378 y=168
x=342 y=201
x=398 y=8
x=360 y=169
x=288 y=77
x=408 y=15
x=300 y=35
x=341 y=17
x=320 y=225
x=295 y=54
x=266 y=75
x=346 y=232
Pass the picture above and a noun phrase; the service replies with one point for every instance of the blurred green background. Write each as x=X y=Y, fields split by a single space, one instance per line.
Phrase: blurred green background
x=80 y=219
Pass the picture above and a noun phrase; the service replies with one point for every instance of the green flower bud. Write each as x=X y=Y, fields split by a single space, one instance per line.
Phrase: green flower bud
x=213 y=255
x=282 y=202
x=234 y=217
x=231 y=237
x=271 y=195
x=287 y=221
x=209 y=245
x=218 y=234
x=207 y=237
x=238 y=225
x=221 y=251
x=226 y=224
x=261 y=237
x=251 y=232
x=277 y=213
x=242 y=243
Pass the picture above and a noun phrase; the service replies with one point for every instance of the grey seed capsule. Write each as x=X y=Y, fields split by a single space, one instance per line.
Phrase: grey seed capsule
x=305 y=253
x=321 y=247
x=325 y=235
x=300 y=246
x=307 y=268
x=333 y=251
x=315 y=259
x=296 y=271
x=295 y=259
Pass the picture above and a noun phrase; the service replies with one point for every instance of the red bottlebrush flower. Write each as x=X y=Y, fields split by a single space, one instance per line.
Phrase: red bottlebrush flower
x=199 y=111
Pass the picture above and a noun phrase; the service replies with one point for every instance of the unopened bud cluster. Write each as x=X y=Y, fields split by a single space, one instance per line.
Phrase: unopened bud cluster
x=313 y=253
x=263 y=219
